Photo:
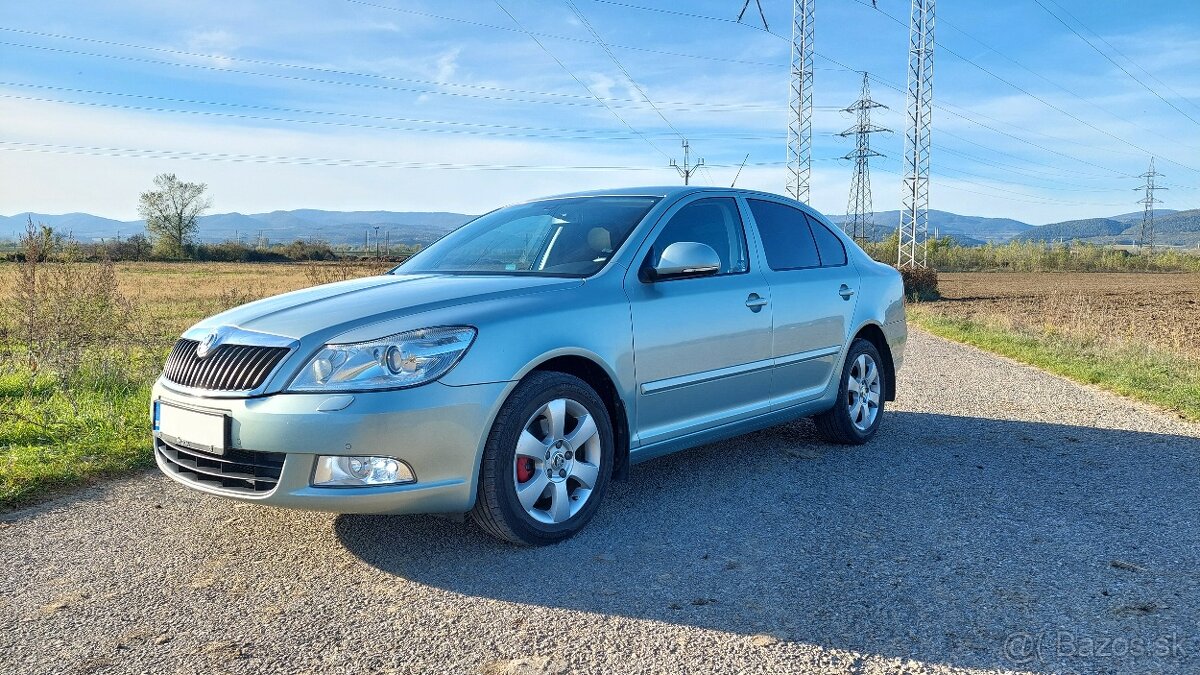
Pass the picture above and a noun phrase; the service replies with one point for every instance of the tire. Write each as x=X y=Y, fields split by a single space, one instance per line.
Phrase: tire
x=845 y=422
x=540 y=457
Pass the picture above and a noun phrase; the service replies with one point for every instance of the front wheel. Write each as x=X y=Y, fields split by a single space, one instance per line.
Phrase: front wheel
x=547 y=461
x=856 y=415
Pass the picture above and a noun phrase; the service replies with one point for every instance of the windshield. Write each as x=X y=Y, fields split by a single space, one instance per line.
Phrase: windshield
x=574 y=236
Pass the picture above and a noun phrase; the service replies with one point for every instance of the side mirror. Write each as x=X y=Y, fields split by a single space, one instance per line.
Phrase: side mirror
x=685 y=259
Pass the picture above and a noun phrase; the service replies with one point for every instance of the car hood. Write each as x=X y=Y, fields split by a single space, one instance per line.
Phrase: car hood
x=325 y=311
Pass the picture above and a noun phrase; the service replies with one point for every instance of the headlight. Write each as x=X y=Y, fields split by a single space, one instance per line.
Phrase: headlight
x=401 y=360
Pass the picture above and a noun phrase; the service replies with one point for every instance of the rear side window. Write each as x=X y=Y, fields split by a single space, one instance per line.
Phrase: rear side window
x=833 y=253
x=785 y=236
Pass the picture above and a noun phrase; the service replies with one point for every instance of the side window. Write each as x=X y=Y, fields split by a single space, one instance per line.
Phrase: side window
x=833 y=252
x=785 y=236
x=713 y=221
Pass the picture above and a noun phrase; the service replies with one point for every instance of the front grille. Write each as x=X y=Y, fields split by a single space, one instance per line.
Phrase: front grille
x=226 y=368
x=248 y=471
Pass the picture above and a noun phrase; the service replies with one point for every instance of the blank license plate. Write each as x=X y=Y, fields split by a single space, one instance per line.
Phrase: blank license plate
x=193 y=429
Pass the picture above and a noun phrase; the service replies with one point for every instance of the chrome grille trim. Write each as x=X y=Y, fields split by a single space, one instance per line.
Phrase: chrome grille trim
x=229 y=367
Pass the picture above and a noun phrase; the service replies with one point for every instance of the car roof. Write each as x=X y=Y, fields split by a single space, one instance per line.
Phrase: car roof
x=663 y=191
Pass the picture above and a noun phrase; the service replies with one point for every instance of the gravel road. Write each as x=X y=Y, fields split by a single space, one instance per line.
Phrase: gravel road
x=1004 y=520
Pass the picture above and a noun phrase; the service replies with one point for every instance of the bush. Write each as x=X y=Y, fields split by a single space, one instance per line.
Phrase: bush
x=66 y=307
x=919 y=284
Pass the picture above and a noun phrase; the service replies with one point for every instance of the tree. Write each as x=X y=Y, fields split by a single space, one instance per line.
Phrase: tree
x=172 y=212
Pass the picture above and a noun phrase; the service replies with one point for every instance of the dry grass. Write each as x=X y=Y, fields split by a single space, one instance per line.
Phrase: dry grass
x=173 y=296
x=1158 y=311
x=1129 y=333
x=63 y=424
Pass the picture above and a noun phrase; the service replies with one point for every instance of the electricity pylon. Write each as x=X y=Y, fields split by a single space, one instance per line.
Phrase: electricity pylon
x=914 y=216
x=860 y=216
x=1146 y=240
x=799 y=144
x=761 y=15
x=687 y=168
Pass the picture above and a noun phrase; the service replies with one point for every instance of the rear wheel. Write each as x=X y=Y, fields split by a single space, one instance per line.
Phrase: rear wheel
x=547 y=461
x=856 y=415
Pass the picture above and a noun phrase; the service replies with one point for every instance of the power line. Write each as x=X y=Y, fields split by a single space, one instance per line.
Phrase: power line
x=299 y=161
x=620 y=66
x=146 y=153
x=517 y=132
x=576 y=78
x=1037 y=98
x=577 y=100
x=892 y=86
x=1122 y=55
x=553 y=36
x=1113 y=61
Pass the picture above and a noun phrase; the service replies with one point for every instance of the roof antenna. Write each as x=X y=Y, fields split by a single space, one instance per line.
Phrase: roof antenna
x=739 y=172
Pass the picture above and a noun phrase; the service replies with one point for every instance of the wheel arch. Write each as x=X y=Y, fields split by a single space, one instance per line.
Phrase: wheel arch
x=873 y=333
x=599 y=379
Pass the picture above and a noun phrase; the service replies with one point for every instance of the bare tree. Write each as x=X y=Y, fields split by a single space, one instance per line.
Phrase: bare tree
x=172 y=212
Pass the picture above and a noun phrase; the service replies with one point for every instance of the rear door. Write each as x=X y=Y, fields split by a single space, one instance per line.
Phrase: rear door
x=814 y=292
x=702 y=345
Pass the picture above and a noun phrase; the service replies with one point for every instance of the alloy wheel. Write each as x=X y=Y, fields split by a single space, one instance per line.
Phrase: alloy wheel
x=862 y=392
x=557 y=461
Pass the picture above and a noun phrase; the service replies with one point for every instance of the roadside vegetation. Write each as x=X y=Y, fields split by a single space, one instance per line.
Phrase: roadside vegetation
x=1035 y=256
x=82 y=340
x=1128 y=333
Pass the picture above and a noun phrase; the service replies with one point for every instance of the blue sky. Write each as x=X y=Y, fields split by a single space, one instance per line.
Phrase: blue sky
x=415 y=105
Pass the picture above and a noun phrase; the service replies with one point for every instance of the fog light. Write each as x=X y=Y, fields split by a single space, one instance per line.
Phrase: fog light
x=361 y=471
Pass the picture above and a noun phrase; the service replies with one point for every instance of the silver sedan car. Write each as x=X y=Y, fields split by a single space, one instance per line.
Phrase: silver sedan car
x=516 y=366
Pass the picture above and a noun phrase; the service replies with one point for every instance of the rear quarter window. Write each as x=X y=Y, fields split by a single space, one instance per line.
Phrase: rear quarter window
x=829 y=245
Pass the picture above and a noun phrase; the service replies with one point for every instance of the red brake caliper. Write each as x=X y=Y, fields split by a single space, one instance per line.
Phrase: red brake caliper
x=524 y=469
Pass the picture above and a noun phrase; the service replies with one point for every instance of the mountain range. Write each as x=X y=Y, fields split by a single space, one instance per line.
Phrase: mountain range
x=335 y=227
x=1175 y=228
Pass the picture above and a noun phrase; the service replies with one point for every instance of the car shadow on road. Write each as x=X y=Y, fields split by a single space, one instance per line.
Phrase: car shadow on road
x=938 y=541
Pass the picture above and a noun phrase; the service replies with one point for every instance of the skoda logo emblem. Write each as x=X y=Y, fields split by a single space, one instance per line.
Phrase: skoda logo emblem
x=209 y=343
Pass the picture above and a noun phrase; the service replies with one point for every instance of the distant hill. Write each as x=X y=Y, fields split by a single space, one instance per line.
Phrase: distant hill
x=83 y=225
x=1177 y=221
x=1136 y=216
x=335 y=227
x=1171 y=228
x=953 y=224
x=1074 y=229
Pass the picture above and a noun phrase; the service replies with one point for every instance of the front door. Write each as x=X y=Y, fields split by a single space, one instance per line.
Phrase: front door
x=702 y=345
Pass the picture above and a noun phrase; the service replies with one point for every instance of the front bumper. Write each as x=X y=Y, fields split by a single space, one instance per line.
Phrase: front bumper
x=439 y=430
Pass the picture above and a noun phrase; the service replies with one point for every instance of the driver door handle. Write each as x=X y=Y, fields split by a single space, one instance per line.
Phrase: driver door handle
x=755 y=302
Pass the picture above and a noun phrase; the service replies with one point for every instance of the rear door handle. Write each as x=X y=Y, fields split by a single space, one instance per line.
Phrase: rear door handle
x=845 y=291
x=755 y=302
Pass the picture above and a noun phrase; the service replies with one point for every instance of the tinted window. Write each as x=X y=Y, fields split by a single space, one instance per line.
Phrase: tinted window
x=833 y=253
x=709 y=221
x=785 y=235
